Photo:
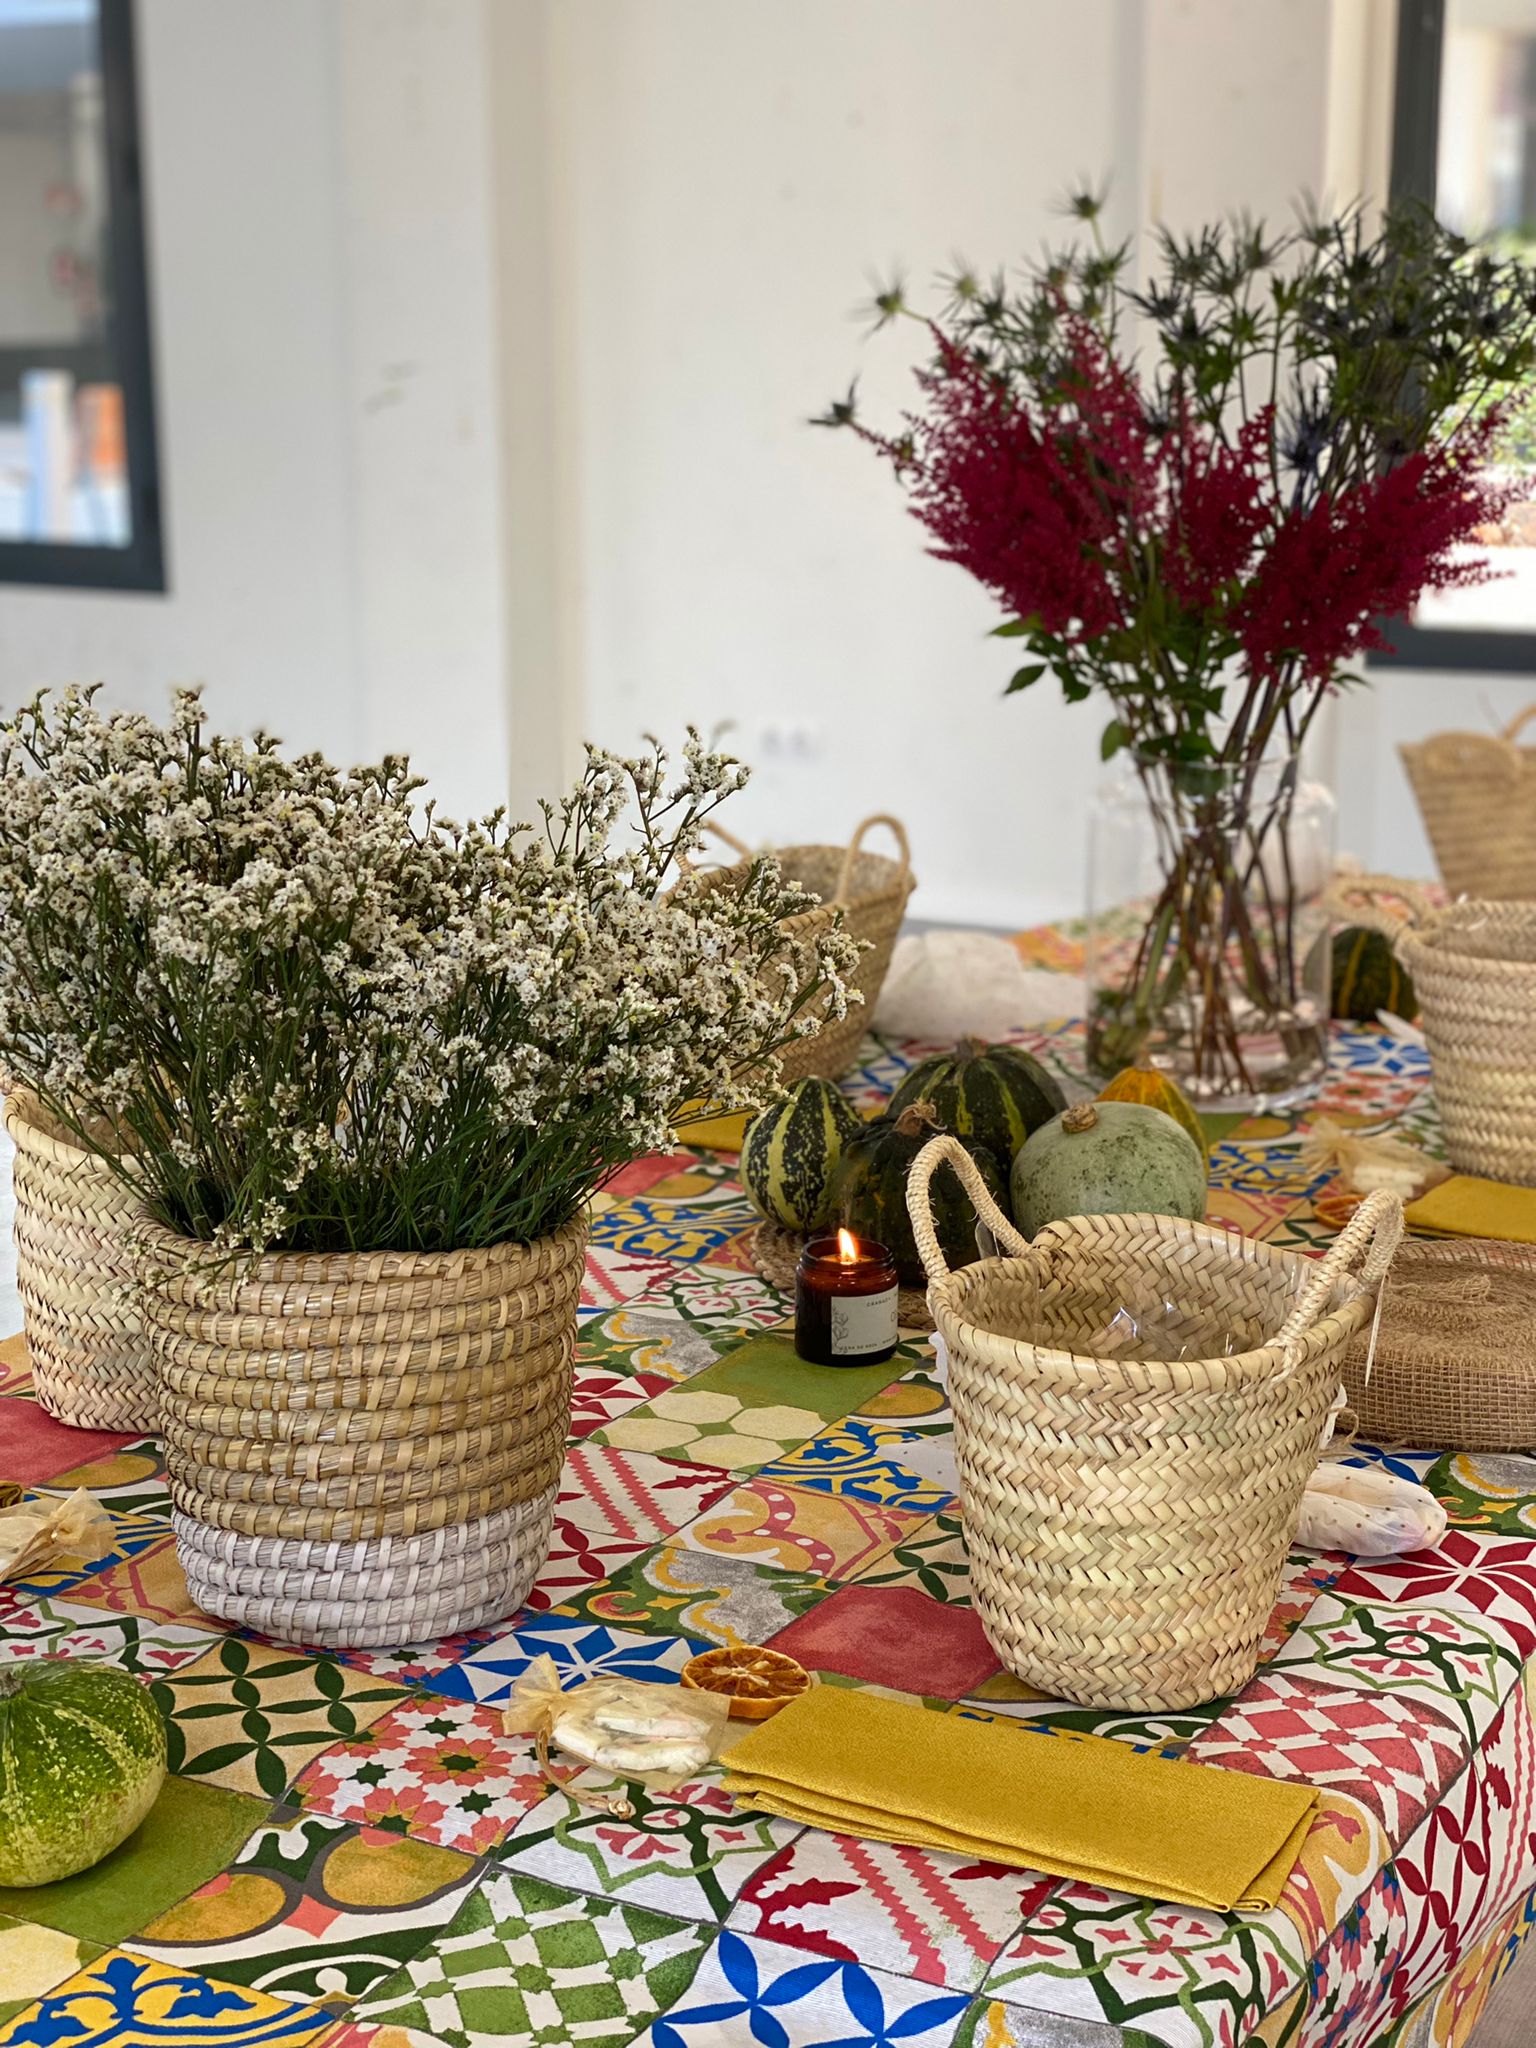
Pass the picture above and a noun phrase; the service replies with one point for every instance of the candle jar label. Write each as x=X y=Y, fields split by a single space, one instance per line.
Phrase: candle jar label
x=863 y=1322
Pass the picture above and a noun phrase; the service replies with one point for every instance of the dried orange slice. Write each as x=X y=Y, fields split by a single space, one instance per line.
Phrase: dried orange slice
x=757 y=1681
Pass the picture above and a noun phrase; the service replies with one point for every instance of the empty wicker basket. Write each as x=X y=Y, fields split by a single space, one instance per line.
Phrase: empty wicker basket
x=871 y=891
x=1477 y=793
x=1128 y=1516
x=1474 y=967
x=364 y=1448
x=91 y=1363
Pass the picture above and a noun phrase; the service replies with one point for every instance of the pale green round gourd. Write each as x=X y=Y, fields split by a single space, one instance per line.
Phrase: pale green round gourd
x=1108 y=1159
x=82 y=1760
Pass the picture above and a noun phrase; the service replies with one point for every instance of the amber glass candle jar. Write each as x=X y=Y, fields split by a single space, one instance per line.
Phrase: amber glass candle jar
x=845 y=1301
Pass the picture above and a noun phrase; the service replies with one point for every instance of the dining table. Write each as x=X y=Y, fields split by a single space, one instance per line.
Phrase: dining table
x=351 y=1850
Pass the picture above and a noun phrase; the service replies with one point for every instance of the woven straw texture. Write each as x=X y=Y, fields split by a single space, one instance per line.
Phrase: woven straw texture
x=1477 y=793
x=91 y=1363
x=1127 y=1516
x=1455 y=1355
x=871 y=891
x=380 y=1401
x=368 y=1595
x=1474 y=966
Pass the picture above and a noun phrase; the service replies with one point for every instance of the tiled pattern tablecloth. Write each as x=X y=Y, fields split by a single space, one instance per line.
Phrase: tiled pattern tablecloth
x=351 y=1850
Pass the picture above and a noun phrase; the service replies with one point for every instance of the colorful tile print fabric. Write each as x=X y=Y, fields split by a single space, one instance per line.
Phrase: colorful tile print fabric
x=351 y=1852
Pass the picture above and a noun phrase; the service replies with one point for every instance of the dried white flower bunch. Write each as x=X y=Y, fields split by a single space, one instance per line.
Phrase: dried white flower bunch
x=326 y=1019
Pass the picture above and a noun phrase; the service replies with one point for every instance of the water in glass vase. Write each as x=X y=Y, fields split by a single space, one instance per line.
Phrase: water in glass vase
x=1208 y=948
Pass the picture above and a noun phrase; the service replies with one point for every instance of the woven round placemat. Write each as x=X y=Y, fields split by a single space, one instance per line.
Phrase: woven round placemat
x=776 y=1251
x=1455 y=1358
x=92 y=1365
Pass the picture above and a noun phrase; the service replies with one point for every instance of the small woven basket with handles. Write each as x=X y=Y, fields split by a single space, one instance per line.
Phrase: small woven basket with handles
x=1474 y=966
x=871 y=891
x=1477 y=795
x=1128 y=1517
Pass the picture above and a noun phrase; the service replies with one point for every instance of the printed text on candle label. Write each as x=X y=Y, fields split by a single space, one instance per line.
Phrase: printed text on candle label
x=863 y=1322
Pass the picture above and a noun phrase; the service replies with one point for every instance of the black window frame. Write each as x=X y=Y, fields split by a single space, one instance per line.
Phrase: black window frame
x=1414 y=175
x=140 y=565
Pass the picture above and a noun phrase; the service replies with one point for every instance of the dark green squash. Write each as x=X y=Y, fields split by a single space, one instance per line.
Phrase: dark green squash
x=1368 y=976
x=996 y=1094
x=791 y=1153
x=872 y=1190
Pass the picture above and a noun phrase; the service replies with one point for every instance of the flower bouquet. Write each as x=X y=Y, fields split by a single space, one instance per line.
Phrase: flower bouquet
x=363 y=1068
x=1199 y=501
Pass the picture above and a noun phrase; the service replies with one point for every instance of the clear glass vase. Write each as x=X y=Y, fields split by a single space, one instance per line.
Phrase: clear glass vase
x=1208 y=952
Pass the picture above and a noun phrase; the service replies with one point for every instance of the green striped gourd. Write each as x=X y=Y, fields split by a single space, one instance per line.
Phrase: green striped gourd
x=996 y=1094
x=1368 y=976
x=872 y=1190
x=82 y=1760
x=791 y=1153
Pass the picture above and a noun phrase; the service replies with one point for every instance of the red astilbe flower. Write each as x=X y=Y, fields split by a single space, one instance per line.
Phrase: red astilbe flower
x=1220 y=504
x=1023 y=506
x=1334 y=570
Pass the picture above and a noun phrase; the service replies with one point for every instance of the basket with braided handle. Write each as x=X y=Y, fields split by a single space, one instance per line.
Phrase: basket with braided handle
x=1139 y=1402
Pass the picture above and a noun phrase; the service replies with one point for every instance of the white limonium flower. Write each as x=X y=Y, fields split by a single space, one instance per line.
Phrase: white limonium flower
x=322 y=1017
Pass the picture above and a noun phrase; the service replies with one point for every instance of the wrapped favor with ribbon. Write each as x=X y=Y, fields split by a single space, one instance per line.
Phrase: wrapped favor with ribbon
x=35 y=1529
x=657 y=1736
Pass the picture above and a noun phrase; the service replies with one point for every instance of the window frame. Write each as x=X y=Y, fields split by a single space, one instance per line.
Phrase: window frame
x=1414 y=175
x=140 y=565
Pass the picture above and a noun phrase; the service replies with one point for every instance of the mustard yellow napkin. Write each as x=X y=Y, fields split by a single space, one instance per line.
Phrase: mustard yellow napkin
x=722 y=1133
x=1082 y=1807
x=1465 y=1206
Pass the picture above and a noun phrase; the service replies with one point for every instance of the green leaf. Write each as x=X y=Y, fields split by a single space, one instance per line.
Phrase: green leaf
x=1023 y=677
x=1112 y=739
x=1075 y=690
x=1010 y=629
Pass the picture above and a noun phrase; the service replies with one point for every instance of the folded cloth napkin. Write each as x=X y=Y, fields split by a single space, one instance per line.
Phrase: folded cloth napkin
x=1071 y=1806
x=1465 y=1206
x=721 y=1133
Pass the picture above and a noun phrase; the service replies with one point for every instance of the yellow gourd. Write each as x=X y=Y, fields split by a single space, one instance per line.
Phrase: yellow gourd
x=1146 y=1084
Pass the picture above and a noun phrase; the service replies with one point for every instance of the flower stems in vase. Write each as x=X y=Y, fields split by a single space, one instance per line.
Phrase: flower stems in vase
x=1199 y=501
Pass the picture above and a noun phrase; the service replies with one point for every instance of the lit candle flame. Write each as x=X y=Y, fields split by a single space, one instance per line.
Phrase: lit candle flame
x=847 y=1247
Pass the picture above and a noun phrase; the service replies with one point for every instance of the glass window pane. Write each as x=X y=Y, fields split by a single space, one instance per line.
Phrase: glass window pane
x=1485 y=184
x=63 y=458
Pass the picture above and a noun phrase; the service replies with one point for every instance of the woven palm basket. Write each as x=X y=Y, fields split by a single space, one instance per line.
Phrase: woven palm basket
x=91 y=1363
x=871 y=892
x=1477 y=794
x=1128 y=1515
x=1474 y=967
x=364 y=1448
x=1454 y=1362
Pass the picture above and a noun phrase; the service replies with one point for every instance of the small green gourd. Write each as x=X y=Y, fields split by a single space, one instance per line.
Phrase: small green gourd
x=82 y=1760
x=996 y=1094
x=791 y=1153
x=872 y=1190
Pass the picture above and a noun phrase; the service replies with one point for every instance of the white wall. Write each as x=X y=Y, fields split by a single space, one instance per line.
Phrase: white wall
x=487 y=331
x=735 y=178
x=319 y=207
